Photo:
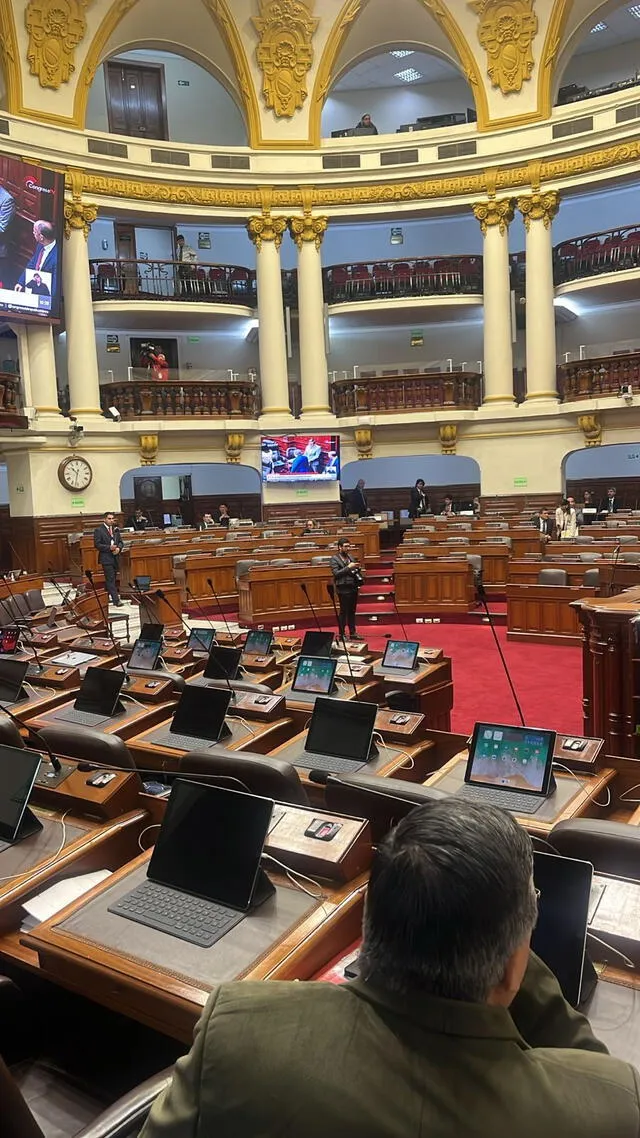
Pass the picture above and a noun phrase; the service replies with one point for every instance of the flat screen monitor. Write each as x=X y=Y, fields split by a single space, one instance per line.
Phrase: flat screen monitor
x=401 y=654
x=166 y=519
x=31 y=205
x=300 y=458
x=100 y=691
x=258 y=643
x=9 y=640
x=201 y=639
x=560 y=934
x=152 y=632
x=317 y=644
x=145 y=655
x=18 y=770
x=210 y=843
x=343 y=730
x=516 y=758
x=12 y=676
x=201 y=713
x=314 y=674
x=222 y=662
x=142 y=584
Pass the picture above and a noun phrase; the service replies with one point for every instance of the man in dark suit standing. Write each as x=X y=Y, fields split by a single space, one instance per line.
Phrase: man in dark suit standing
x=543 y=523
x=358 y=504
x=346 y=575
x=108 y=541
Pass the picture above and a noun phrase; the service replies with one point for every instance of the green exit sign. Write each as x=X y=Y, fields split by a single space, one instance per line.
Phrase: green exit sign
x=77 y=503
x=521 y=482
x=302 y=492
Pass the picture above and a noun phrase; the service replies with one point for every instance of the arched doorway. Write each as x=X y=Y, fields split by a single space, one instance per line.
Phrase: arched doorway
x=180 y=493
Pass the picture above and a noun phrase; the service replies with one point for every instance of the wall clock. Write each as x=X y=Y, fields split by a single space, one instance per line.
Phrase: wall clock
x=75 y=473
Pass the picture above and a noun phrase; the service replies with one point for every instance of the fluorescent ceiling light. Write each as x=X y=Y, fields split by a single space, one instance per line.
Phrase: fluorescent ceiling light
x=405 y=52
x=634 y=11
x=409 y=75
x=599 y=27
x=569 y=304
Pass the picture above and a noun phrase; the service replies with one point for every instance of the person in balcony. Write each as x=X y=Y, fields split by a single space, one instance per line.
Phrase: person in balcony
x=186 y=257
x=418 y=502
x=366 y=126
x=159 y=366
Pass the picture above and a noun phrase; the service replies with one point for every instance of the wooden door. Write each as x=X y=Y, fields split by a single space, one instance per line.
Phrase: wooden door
x=136 y=103
x=125 y=236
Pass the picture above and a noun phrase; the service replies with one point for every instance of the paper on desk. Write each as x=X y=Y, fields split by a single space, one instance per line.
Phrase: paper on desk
x=52 y=900
x=619 y=910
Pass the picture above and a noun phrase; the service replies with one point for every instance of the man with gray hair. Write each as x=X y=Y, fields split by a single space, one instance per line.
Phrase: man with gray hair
x=453 y=1029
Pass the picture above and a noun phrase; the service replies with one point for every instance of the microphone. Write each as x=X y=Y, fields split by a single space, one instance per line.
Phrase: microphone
x=397 y=611
x=331 y=589
x=127 y=678
x=53 y=759
x=482 y=596
x=223 y=675
x=18 y=558
x=310 y=604
x=200 y=609
x=220 y=608
x=616 y=555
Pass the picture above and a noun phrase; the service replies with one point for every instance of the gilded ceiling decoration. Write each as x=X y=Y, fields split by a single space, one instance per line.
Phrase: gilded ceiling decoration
x=55 y=28
x=285 y=52
x=506 y=31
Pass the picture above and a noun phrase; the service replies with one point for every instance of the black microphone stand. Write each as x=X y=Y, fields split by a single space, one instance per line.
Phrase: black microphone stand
x=483 y=601
x=127 y=678
x=223 y=674
x=220 y=609
x=331 y=589
x=61 y=771
x=310 y=604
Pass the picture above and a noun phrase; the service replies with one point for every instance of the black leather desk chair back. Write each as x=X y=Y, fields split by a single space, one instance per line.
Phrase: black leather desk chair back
x=611 y=847
x=88 y=744
x=385 y=802
x=9 y=734
x=259 y=774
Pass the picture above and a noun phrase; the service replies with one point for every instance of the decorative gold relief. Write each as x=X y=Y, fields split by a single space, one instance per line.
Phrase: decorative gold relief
x=266 y=228
x=364 y=441
x=78 y=215
x=495 y=211
x=591 y=429
x=539 y=207
x=507 y=30
x=55 y=28
x=233 y=446
x=148 y=449
x=448 y=438
x=285 y=52
x=308 y=228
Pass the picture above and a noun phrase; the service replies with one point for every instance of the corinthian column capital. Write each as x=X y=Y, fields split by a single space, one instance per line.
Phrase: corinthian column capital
x=78 y=215
x=307 y=229
x=539 y=206
x=264 y=227
x=494 y=211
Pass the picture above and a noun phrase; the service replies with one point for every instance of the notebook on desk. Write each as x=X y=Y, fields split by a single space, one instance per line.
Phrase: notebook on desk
x=314 y=676
x=340 y=736
x=511 y=767
x=204 y=876
x=97 y=701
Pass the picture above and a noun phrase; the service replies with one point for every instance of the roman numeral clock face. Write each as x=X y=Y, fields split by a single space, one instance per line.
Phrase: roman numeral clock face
x=75 y=473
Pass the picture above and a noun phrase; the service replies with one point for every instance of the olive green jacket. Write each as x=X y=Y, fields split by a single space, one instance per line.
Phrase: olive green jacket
x=315 y=1060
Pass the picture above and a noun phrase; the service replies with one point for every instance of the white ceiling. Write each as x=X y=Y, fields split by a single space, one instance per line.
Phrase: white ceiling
x=379 y=71
x=621 y=28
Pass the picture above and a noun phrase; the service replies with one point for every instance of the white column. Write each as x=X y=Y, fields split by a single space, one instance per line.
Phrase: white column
x=42 y=369
x=82 y=357
x=538 y=210
x=495 y=216
x=266 y=233
x=307 y=232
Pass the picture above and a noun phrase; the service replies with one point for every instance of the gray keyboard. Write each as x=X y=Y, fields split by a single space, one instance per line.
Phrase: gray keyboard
x=189 y=918
x=508 y=799
x=399 y=673
x=85 y=718
x=329 y=763
x=181 y=742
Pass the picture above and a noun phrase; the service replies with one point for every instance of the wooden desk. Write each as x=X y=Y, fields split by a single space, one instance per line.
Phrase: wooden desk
x=543 y=613
x=274 y=595
x=574 y=797
x=259 y=738
x=495 y=558
x=431 y=685
x=164 y=982
x=435 y=586
x=526 y=572
x=41 y=700
x=134 y=719
x=409 y=761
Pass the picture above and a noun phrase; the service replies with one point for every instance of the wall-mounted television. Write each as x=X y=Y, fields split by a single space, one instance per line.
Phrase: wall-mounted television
x=31 y=231
x=300 y=458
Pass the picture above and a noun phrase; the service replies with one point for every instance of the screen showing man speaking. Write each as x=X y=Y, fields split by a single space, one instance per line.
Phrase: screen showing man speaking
x=31 y=219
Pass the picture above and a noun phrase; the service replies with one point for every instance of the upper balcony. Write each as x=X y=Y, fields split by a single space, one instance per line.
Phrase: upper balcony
x=174 y=281
x=402 y=279
x=597 y=254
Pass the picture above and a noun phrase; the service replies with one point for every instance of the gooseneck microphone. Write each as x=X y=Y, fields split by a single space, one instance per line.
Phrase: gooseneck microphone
x=612 y=578
x=105 y=616
x=482 y=596
x=397 y=611
x=220 y=608
x=53 y=759
x=331 y=589
x=310 y=604
x=200 y=609
x=162 y=596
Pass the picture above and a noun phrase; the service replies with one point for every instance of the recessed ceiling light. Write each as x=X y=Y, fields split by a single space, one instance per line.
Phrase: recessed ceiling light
x=401 y=54
x=599 y=27
x=634 y=11
x=409 y=75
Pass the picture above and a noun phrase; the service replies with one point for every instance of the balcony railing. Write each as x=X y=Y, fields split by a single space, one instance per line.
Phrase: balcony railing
x=173 y=280
x=460 y=390
x=608 y=252
x=11 y=401
x=401 y=278
x=182 y=399
x=607 y=375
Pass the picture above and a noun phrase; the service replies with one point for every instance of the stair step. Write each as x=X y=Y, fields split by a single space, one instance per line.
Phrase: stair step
x=376 y=608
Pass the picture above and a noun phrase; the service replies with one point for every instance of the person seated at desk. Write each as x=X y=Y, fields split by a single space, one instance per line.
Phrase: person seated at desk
x=223 y=516
x=358 y=500
x=310 y=527
x=418 y=501
x=453 y=1028
x=566 y=521
x=366 y=126
x=139 y=522
x=610 y=504
x=207 y=522
x=588 y=510
x=544 y=524
x=447 y=510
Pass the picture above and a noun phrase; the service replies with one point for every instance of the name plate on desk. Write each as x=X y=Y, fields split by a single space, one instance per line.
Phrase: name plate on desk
x=59 y=677
x=328 y=845
x=255 y=706
x=405 y=727
x=99 y=645
x=178 y=655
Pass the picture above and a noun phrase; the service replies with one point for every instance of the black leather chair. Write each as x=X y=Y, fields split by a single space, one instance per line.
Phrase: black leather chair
x=87 y=744
x=127 y=1116
x=259 y=774
x=241 y=685
x=383 y=801
x=402 y=701
x=9 y=733
x=611 y=847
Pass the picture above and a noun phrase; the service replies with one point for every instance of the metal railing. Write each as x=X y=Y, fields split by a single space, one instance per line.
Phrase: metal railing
x=172 y=280
x=606 y=375
x=610 y=251
x=460 y=390
x=180 y=398
x=429 y=276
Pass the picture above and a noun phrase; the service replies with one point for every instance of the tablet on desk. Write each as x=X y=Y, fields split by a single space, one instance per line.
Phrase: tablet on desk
x=401 y=654
x=315 y=675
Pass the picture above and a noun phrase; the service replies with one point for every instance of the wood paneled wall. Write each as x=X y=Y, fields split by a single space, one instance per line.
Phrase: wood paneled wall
x=628 y=490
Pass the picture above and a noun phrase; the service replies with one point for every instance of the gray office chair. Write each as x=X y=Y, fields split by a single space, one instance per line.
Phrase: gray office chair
x=223 y=550
x=586 y=538
x=87 y=744
x=283 y=561
x=628 y=538
x=9 y=734
x=496 y=525
x=630 y=558
x=35 y=600
x=325 y=559
x=258 y=774
x=589 y=557
x=553 y=577
x=306 y=545
x=591 y=579
x=412 y=557
x=611 y=847
x=457 y=541
x=243 y=567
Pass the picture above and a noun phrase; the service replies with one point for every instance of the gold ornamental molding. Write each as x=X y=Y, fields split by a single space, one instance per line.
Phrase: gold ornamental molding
x=78 y=215
x=364 y=441
x=324 y=74
x=148 y=449
x=234 y=443
x=539 y=207
x=452 y=30
x=494 y=212
x=448 y=438
x=591 y=428
x=307 y=229
x=55 y=28
x=506 y=32
x=9 y=57
x=266 y=228
x=285 y=52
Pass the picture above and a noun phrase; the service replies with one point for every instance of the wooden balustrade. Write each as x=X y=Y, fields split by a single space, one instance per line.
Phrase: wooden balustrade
x=589 y=379
x=182 y=399
x=459 y=390
x=10 y=401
